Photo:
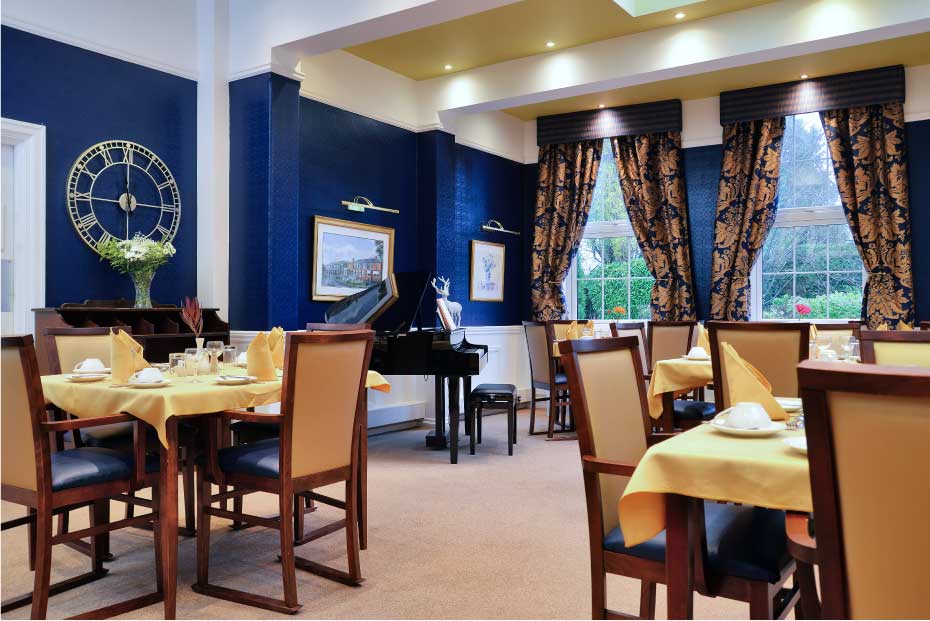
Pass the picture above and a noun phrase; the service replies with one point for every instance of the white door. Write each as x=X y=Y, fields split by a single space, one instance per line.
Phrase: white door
x=7 y=179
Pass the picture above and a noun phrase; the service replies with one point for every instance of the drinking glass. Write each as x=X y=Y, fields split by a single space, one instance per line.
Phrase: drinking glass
x=192 y=359
x=853 y=350
x=214 y=349
x=230 y=353
x=176 y=365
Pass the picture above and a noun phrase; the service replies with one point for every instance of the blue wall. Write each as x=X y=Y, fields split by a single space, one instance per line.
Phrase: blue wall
x=83 y=98
x=918 y=146
x=702 y=172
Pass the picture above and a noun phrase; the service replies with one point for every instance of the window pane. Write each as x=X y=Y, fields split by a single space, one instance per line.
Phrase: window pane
x=637 y=262
x=811 y=289
x=777 y=299
x=615 y=294
x=616 y=257
x=845 y=295
x=777 y=252
x=807 y=179
x=590 y=258
x=843 y=253
x=607 y=201
x=640 y=297
x=807 y=137
x=589 y=299
x=810 y=254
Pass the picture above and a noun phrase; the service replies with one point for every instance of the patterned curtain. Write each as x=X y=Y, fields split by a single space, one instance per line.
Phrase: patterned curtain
x=563 y=198
x=654 y=193
x=868 y=151
x=745 y=211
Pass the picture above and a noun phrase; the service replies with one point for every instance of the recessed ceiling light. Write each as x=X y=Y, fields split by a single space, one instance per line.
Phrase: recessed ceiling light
x=803 y=76
x=600 y=105
x=447 y=67
x=679 y=15
x=550 y=43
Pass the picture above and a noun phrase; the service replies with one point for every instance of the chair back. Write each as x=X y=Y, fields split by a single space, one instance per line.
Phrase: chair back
x=669 y=339
x=895 y=347
x=324 y=380
x=632 y=328
x=925 y=325
x=558 y=328
x=67 y=347
x=866 y=429
x=337 y=327
x=609 y=405
x=22 y=408
x=774 y=348
x=538 y=346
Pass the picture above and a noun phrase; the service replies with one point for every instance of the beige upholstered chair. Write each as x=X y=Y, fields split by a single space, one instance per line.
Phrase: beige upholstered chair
x=867 y=428
x=895 y=348
x=67 y=347
x=614 y=431
x=774 y=348
x=322 y=395
x=543 y=372
x=637 y=329
x=669 y=339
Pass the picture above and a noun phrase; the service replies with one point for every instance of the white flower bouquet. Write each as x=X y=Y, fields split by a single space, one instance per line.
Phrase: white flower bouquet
x=139 y=257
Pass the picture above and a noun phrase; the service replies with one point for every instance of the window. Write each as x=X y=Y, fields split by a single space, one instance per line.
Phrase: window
x=809 y=258
x=609 y=278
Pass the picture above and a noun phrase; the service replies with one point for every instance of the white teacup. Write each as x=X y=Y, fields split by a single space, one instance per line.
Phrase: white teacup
x=747 y=415
x=697 y=352
x=91 y=364
x=147 y=376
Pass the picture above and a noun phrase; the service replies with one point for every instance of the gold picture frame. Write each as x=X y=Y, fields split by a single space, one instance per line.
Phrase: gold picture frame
x=487 y=271
x=340 y=274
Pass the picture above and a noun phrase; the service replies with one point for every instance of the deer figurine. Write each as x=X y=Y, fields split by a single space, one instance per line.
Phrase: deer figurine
x=454 y=307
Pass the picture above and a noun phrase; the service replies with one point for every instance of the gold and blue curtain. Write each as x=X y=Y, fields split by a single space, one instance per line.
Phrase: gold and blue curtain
x=654 y=193
x=867 y=146
x=567 y=173
x=746 y=206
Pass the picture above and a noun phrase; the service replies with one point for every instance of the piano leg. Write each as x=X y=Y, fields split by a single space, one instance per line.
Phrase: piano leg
x=436 y=439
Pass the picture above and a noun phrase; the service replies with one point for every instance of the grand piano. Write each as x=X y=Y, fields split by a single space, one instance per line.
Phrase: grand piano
x=395 y=308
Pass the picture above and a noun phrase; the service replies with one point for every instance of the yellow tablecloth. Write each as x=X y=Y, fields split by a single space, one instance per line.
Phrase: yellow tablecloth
x=677 y=375
x=156 y=405
x=703 y=463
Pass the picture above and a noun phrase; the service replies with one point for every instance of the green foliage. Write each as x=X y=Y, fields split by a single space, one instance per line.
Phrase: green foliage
x=843 y=305
x=614 y=291
x=139 y=254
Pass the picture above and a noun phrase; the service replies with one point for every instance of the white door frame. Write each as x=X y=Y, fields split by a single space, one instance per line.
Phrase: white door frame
x=28 y=141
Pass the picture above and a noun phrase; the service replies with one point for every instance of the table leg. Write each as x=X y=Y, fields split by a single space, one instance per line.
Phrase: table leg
x=168 y=516
x=679 y=570
x=667 y=420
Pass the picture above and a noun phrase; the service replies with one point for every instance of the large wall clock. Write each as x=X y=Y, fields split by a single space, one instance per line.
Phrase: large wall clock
x=117 y=189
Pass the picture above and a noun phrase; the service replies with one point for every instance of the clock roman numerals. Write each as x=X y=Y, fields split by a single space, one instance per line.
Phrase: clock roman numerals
x=165 y=233
x=127 y=155
x=107 y=160
x=86 y=222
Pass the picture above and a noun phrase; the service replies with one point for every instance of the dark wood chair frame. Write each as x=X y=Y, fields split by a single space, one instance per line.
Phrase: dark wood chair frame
x=44 y=503
x=816 y=379
x=767 y=326
x=635 y=325
x=187 y=456
x=556 y=391
x=803 y=547
x=925 y=325
x=691 y=560
x=867 y=340
x=286 y=488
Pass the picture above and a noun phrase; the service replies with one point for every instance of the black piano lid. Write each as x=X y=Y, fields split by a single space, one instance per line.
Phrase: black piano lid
x=393 y=305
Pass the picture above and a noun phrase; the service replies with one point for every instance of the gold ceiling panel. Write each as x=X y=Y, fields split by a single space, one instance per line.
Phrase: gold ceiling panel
x=908 y=51
x=522 y=29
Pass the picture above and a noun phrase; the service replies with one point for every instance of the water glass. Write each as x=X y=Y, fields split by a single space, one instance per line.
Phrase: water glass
x=192 y=359
x=230 y=353
x=853 y=350
x=176 y=365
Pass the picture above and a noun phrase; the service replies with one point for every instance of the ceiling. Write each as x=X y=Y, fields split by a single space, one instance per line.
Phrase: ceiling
x=909 y=51
x=522 y=29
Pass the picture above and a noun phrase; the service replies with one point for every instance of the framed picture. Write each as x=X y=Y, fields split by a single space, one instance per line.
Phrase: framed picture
x=487 y=271
x=349 y=257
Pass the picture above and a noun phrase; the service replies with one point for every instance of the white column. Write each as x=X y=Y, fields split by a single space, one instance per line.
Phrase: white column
x=213 y=154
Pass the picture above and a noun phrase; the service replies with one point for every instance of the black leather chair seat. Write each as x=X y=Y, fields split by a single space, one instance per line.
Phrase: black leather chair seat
x=561 y=378
x=694 y=410
x=119 y=436
x=246 y=431
x=746 y=542
x=495 y=391
x=260 y=459
x=89 y=466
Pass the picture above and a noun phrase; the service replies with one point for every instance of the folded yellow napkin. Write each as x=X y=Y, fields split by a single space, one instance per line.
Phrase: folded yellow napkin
x=125 y=357
x=813 y=332
x=258 y=359
x=903 y=327
x=883 y=327
x=702 y=339
x=573 y=331
x=744 y=383
x=276 y=345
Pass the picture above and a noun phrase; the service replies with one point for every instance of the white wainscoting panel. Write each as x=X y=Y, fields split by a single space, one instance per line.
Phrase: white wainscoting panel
x=412 y=398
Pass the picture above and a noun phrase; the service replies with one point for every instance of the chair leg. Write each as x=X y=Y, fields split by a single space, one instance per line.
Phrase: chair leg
x=453 y=437
x=32 y=541
x=514 y=422
x=647 y=600
x=761 y=605
x=43 y=571
x=237 y=508
x=130 y=509
x=298 y=517
x=288 y=569
x=809 y=606
x=532 y=408
x=472 y=427
x=355 y=571
x=187 y=481
x=203 y=532
x=598 y=591
x=553 y=399
x=511 y=431
x=478 y=417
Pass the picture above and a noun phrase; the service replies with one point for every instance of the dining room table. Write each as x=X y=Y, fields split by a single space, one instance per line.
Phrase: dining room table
x=704 y=463
x=162 y=407
x=673 y=377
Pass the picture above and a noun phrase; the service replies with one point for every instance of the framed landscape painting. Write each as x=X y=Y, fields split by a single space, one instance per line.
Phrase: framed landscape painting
x=349 y=257
x=487 y=271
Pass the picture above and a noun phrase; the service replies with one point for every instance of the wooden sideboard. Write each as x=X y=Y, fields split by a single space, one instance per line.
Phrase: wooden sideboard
x=160 y=330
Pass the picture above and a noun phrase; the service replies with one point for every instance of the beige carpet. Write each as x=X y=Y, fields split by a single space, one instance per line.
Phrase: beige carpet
x=491 y=537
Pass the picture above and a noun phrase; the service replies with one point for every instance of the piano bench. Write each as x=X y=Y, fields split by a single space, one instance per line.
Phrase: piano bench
x=493 y=394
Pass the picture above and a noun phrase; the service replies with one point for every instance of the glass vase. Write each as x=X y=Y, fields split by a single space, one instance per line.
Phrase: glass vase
x=143 y=284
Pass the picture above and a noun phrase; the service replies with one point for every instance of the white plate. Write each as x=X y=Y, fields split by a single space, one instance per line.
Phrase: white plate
x=234 y=380
x=718 y=424
x=80 y=378
x=798 y=443
x=148 y=384
x=88 y=372
x=789 y=404
x=697 y=358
